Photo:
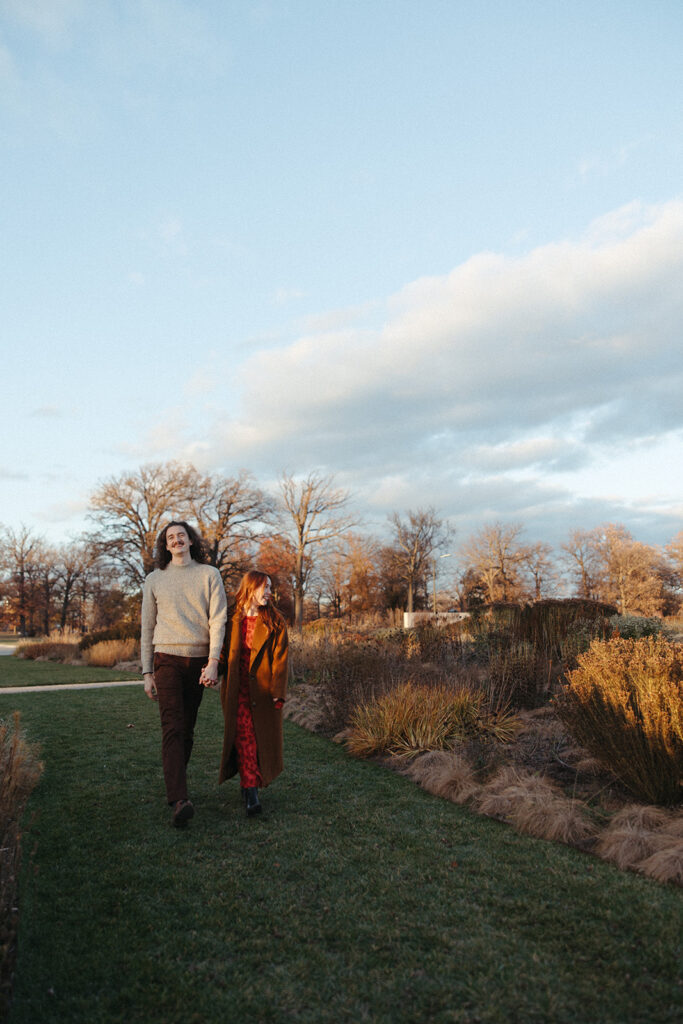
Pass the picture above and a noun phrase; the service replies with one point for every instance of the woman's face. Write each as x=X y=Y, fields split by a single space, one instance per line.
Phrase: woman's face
x=262 y=594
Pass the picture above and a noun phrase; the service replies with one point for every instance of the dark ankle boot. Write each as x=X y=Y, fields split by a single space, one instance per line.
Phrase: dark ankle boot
x=252 y=801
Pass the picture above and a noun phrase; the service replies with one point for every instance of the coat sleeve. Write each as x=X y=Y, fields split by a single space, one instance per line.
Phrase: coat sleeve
x=280 y=663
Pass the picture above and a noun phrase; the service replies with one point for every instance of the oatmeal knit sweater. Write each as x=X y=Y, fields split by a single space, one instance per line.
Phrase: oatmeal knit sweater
x=184 y=611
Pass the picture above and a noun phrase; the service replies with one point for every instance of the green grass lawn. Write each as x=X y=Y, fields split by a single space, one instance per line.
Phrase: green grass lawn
x=23 y=672
x=354 y=897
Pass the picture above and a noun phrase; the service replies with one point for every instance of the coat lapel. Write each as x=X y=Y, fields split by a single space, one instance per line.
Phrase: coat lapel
x=261 y=634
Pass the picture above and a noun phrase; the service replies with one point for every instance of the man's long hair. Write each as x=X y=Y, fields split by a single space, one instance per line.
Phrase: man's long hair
x=162 y=556
x=250 y=582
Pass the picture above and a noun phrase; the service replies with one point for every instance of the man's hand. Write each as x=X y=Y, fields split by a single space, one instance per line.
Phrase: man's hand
x=209 y=676
x=150 y=688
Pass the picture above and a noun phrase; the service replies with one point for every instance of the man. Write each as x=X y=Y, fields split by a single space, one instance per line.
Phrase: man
x=184 y=612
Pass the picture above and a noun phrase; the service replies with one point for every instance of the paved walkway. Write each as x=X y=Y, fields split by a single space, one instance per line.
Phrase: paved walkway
x=69 y=686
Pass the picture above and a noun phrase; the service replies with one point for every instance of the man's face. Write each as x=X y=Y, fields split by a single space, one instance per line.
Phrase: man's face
x=177 y=539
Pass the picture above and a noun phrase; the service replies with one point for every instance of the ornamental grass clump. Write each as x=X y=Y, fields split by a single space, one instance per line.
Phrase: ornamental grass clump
x=624 y=704
x=108 y=653
x=414 y=718
x=645 y=839
x=50 y=650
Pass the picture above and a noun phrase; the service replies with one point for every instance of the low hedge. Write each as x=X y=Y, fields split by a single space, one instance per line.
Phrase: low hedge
x=121 y=631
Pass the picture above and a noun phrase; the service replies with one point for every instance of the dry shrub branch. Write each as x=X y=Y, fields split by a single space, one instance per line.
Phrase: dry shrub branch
x=624 y=704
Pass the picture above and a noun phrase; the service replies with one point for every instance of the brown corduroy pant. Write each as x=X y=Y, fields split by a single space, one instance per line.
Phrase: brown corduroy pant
x=180 y=694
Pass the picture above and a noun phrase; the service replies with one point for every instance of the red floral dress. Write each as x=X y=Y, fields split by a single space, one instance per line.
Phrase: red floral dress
x=245 y=736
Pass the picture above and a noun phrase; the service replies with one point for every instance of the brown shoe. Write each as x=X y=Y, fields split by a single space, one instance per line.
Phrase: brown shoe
x=182 y=812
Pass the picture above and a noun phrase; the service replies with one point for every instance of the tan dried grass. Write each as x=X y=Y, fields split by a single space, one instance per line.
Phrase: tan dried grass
x=47 y=650
x=498 y=796
x=304 y=708
x=626 y=845
x=640 y=816
x=675 y=826
x=589 y=766
x=665 y=865
x=554 y=818
x=447 y=775
x=413 y=718
x=108 y=653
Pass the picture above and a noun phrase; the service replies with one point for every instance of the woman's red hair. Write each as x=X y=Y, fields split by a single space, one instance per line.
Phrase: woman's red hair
x=251 y=581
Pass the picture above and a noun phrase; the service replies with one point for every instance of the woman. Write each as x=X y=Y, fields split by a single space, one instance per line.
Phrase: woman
x=254 y=662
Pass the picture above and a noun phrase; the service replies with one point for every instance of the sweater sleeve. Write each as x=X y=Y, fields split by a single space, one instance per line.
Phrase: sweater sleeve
x=218 y=614
x=148 y=622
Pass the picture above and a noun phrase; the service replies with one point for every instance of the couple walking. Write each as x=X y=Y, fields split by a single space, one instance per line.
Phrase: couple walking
x=190 y=638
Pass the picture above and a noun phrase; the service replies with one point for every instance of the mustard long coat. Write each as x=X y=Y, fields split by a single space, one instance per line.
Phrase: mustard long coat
x=268 y=673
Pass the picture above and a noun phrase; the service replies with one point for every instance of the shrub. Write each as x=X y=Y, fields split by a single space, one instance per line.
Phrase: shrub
x=414 y=718
x=350 y=674
x=53 y=650
x=634 y=627
x=107 y=653
x=122 y=631
x=624 y=705
x=20 y=770
x=521 y=673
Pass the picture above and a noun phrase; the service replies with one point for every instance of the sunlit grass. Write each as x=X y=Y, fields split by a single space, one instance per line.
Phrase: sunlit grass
x=19 y=672
x=356 y=895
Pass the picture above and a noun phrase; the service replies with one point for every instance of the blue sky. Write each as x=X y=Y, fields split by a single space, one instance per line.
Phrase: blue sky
x=435 y=248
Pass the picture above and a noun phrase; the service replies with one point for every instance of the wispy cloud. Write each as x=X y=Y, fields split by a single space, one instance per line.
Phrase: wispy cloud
x=47 y=412
x=51 y=20
x=505 y=366
x=283 y=296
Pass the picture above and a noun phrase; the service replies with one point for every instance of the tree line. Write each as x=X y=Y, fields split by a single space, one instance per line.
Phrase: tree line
x=313 y=546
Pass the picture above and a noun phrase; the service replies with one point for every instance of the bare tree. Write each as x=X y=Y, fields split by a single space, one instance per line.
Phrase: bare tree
x=416 y=539
x=46 y=575
x=230 y=513
x=75 y=562
x=130 y=510
x=539 y=566
x=674 y=550
x=18 y=552
x=581 y=556
x=633 y=573
x=496 y=555
x=318 y=514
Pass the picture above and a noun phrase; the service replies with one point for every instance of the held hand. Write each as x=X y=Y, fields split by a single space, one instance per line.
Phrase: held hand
x=209 y=676
x=150 y=688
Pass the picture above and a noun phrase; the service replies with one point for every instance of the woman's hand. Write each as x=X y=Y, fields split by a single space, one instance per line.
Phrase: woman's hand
x=209 y=676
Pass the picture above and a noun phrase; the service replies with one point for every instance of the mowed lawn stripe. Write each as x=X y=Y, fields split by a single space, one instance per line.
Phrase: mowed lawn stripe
x=355 y=896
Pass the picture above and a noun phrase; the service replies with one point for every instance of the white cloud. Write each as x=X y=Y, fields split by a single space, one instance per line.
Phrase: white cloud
x=49 y=19
x=63 y=511
x=283 y=296
x=480 y=380
x=47 y=412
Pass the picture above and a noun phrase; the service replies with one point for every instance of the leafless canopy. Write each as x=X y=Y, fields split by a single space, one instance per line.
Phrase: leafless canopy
x=129 y=511
x=417 y=537
x=316 y=512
